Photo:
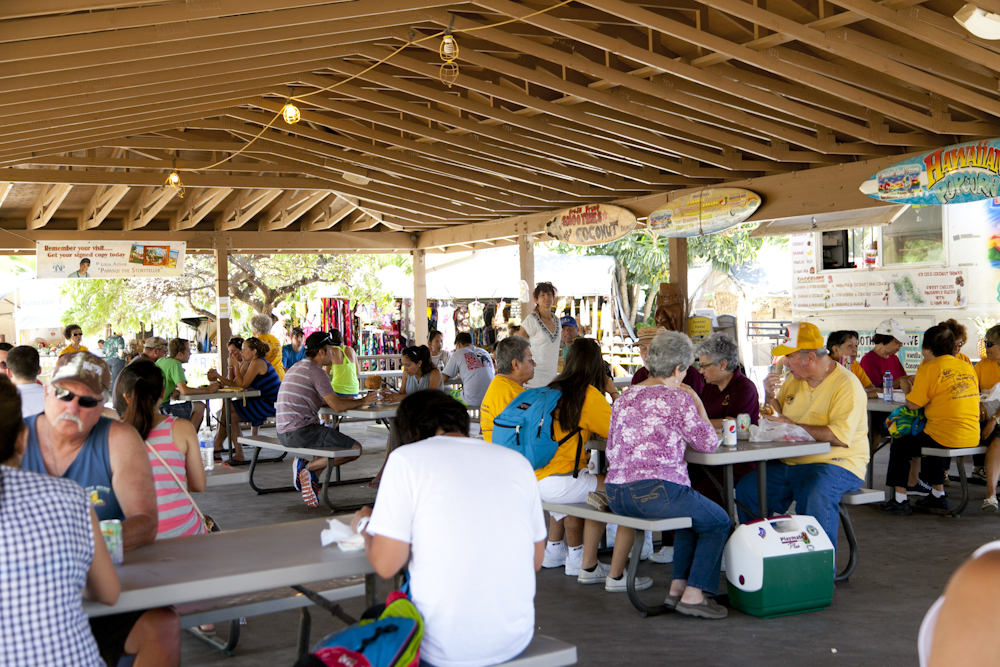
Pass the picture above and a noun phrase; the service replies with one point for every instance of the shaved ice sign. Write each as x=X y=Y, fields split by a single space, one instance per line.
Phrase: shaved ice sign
x=109 y=259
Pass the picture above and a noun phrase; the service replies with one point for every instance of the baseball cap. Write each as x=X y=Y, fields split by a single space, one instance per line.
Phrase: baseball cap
x=568 y=321
x=85 y=368
x=646 y=334
x=317 y=340
x=297 y=331
x=155 y=343
x=801 y=336
x=892 y=328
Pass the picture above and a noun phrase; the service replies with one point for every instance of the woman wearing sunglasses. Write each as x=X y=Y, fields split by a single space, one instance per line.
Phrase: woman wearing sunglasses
x=988 y=373
x=74 y=337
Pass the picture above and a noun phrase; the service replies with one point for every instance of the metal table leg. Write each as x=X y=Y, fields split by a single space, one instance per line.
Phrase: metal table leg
x=727 y=476
x=633 y=567
x=762 y=489
x=227 y=408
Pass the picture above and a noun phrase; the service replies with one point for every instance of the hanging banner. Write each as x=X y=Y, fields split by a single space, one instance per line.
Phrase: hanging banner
x=109 y=259
x=704 y=212
x=593 y=224
x=953 y=175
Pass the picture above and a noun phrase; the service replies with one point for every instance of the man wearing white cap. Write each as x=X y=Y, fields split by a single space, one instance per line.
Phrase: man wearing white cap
x=888 y=339
x=826 y=400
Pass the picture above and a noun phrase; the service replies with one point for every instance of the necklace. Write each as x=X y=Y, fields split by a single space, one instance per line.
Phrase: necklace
x=52 y=452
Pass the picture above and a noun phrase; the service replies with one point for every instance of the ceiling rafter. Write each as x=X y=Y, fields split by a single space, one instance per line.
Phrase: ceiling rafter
x=151 y=201
x=196 y=206
x=47 y=203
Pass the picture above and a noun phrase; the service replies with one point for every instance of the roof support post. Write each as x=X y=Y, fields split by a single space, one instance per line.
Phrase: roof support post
x=222 y=329
x=420 y=297
x=526 y=253
x=678 y=248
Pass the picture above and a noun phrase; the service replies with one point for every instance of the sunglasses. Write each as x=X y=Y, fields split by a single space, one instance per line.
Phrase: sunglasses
x=84 y=401
x=78 y=335
x=989 y=343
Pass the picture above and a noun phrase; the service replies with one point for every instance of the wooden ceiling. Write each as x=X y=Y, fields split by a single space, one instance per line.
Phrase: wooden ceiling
x=592 y=101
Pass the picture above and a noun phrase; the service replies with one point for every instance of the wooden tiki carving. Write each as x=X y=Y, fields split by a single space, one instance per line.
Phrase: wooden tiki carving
x=670 y=304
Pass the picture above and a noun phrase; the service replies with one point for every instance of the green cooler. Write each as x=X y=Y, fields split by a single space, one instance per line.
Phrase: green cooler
x=780 y=566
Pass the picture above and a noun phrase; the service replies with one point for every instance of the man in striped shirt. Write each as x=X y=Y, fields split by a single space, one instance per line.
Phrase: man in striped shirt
x=304 y=390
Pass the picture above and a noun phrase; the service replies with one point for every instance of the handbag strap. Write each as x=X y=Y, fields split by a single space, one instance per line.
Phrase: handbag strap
x=180 y=485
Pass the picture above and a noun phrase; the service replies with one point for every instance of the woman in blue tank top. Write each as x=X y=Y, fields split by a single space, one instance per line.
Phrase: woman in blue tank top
x=254 y=373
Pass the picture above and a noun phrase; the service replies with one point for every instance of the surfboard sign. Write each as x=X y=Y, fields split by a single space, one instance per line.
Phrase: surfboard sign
x=952 y=175
x=705 y=212
x=592 y=224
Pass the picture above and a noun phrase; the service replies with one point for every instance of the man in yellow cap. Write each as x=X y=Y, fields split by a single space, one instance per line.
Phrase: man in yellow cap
x=827 y=400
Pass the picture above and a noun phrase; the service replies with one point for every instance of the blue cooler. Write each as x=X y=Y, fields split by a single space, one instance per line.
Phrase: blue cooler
x=780 y=566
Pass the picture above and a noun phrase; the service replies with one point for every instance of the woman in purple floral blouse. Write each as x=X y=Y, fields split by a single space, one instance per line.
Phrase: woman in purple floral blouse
x=651 y=426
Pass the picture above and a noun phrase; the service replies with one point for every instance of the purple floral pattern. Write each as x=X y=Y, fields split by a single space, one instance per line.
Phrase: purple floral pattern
x=651 y=427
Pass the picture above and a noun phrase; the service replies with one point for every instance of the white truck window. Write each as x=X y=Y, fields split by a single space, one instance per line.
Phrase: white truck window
x=915 y=237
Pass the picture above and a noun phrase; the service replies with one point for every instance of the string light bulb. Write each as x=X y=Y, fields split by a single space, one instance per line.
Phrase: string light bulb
x=448 y=50
x=291 y=113
x=448 y=74
x=174 y=181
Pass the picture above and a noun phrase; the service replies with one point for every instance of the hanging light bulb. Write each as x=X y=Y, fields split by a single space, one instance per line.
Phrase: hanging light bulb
x=448 y=49
x=448 y=73
x=291 y=113
x=174 y=181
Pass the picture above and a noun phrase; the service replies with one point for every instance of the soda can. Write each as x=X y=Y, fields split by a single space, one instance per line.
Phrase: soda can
x=729 y=432
x=743 y=426
x=111 y=529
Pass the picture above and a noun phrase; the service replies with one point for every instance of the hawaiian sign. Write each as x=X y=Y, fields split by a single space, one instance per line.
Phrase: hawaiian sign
x=953 y=175
x=704 y=212
x=900 y=287
x=592 y=224
x=109 y=259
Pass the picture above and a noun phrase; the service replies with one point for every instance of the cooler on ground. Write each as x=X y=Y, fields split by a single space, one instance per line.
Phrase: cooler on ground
x=780 y=566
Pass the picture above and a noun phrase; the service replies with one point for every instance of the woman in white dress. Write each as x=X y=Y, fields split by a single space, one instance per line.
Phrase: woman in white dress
x=541 y=328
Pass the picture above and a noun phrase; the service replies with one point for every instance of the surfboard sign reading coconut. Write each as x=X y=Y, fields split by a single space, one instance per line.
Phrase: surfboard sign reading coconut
x=705 y=212
x=592 y=224
x=952 y=175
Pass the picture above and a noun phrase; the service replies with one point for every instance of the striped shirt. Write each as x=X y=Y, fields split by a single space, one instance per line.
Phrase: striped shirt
x=301 y=396
x=178 y=517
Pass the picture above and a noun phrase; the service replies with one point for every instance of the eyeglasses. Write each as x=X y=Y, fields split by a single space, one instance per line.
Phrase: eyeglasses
x=84 y=401
x=988 y=343
x=78 y=335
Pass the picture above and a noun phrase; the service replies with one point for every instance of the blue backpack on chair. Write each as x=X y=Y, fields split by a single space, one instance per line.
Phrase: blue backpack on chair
x=527 y=427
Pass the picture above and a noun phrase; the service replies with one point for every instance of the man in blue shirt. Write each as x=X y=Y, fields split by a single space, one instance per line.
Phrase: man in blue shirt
x=295 y=351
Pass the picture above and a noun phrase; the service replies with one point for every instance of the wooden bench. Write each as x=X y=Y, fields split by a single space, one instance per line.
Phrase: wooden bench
x=237 y=607
x=265 y=442
x=222 y=475
x=956 y=453
x=545 y=652
x=859 y=497
x=584 y=511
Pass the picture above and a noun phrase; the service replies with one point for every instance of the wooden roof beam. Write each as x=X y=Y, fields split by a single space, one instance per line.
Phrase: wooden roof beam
x=101 y=204
x=151 y=201
x=16 y=9
x=329 y=212
x=198 y=203
x=244 y=206
x=284 y=214
x=5 y=188
x=47 y=203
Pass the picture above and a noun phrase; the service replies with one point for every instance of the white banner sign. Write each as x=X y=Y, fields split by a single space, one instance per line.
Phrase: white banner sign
x=109 y=259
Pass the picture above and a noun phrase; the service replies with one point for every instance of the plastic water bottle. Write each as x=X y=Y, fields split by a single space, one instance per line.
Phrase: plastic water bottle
x=887 y=387
x=207 y=447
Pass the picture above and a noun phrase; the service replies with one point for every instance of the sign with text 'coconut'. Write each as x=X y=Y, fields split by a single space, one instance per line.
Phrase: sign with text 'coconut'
x=952 y=175
x=704 y=212
x=592 y=224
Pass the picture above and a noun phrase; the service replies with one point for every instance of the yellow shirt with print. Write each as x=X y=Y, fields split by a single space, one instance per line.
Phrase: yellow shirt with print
x=988 y=373
x=861 y=375
x=840 y=403
x=69 y=350
x=273 y=354
x=946 y=388
x=595 y=419
x=501 y=392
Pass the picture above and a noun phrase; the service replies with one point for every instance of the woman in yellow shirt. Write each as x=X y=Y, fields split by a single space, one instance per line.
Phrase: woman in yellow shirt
x=73 y=335
x=961 y=337
x=988 y=374
x=843 y=347
x=945 y=387
x=261 y=327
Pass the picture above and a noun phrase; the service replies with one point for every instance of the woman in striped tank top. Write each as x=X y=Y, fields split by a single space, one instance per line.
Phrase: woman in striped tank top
x=176 y=442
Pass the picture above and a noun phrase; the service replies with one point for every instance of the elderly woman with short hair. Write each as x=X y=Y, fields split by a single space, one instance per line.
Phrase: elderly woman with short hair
x=652 y=425
x=728 y=392
x=261 y=327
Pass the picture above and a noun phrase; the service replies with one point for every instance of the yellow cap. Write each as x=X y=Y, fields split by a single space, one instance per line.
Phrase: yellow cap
x=801 y=336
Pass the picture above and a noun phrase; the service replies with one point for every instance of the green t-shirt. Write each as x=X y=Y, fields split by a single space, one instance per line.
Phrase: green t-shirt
x=173 y=372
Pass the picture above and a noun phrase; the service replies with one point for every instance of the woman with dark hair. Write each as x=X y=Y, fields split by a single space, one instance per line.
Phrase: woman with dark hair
x=542 y=329
x=888 y=338
x=440 y=484
x=235 y=347
x=961 y=338
x=344 y=367
x=74 y=337
x=582 y=409
x=419 y=373
x=52 y=555
x=176 y=442
x=843 y=347
x=254 y=372
x=946 y=389
x=439 y=355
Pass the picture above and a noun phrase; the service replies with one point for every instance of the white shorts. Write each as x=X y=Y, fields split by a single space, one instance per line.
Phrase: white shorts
x=566 y=490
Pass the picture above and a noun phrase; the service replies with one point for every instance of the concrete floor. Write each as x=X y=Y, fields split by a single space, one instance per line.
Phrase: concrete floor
x=904 y=564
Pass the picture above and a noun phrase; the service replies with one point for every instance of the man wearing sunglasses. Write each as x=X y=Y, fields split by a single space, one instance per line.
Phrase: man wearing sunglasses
x=71 y=439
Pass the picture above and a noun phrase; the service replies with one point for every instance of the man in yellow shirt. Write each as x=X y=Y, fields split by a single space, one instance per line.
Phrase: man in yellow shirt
x=514 y=368
x=826 y=400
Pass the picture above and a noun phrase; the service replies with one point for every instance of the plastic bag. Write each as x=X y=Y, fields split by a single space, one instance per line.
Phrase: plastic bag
x=774 y=431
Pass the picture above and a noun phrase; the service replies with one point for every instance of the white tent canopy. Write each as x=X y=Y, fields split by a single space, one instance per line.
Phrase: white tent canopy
x=497 y=273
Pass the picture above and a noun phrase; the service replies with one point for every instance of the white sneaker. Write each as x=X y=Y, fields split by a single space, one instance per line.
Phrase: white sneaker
x=990 y=504
x=574 y=561
x=598 y=576
x=621 y=585
x=555 y=555
x=664 y=555
x=609 y=534
x=647 y=545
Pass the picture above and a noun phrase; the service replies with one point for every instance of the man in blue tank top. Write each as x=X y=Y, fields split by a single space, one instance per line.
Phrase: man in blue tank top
x=71 y=439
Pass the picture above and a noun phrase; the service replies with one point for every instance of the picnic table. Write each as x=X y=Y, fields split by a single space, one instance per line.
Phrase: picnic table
x=877 y=411
x=225 y=397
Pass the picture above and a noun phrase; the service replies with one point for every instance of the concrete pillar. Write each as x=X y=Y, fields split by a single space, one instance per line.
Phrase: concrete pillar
x=526 y=251
x=223 y=331
x=679 y=269
x=420 y=296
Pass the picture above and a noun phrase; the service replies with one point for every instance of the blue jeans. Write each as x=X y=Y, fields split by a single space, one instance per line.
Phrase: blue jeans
x=698 y=549
x=816 y=489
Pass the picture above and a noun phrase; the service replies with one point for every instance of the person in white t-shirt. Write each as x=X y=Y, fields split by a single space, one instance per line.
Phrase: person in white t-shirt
x=23 y=367
x=474 y=365
x=439 y=485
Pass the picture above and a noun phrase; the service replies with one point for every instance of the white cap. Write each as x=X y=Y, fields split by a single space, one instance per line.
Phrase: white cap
x=892 y=328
